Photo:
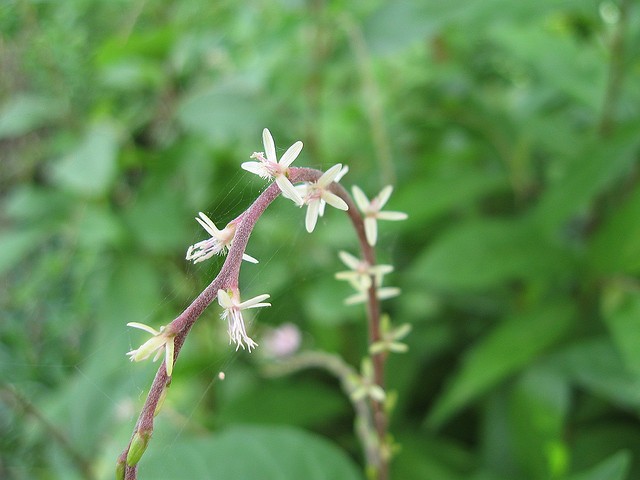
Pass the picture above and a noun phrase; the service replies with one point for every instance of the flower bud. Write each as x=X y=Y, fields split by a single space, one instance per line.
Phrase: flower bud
x=137 y=448
x=120 y=469
x=163 y=395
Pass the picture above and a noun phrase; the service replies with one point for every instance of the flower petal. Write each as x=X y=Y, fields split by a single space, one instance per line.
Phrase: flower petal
x=371 y=230
x=387 y=292
x=312 y=215
x=224 y=300
x=392 y=216
x=334 y=200
x=269 y=146
x=168 y=356
x=255 y=301
x=209 y=226
x=342 y=173
x=383 y=196
x=288 y=189
x=361 y=199
x=144 y=327
x=249 y=258
x=349 y=260
x=329 y=176
x=291 y=154
x=254 y=167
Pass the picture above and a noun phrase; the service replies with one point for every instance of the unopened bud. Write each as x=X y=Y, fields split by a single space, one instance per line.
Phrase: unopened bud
x=160 y=403
x=120 y=469
x=137 y=448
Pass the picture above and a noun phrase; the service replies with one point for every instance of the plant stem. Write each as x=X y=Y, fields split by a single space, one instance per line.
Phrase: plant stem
x=228 y=277
x=616 y=71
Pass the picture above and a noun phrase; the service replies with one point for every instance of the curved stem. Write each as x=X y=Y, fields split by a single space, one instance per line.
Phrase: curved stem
x=228 y=278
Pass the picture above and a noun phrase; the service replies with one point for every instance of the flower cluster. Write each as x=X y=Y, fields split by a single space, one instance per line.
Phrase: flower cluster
x=315 y=196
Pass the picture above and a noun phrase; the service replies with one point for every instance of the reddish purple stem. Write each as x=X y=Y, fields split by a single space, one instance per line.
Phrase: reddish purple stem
x=228 y=278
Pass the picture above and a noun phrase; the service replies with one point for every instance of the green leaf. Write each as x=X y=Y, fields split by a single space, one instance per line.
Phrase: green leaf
x=91 y=167
x=424 y=456
x=15 y=245
x=24 y=113
x=444 y=193
x=595 y=167
x=557 y=59
x=621 y=312
x=539 y=403
x=511 y=345
x=223 y=113
x=615 y=467
x=240 y=453
x=278 y=405
x=596 y=365
x=484 y=254
x=615 y=247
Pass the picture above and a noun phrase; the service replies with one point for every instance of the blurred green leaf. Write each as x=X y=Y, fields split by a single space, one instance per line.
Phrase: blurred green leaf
x=615 y=247
x=24 y=113
x=512 y=344
x=15 y=245
x=615 y=467
x=538 y=408
x=427 y=199
x=239 y=453
x=424 y=456
x=90 y=168
x=596 y=365
x=224 y=112
x=558 y=59
x=596 y=165
x=279 y=405
x=483 y=254
x=621 y=312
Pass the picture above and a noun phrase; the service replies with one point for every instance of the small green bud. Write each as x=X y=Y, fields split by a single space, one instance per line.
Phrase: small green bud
x=163 y=395
x=137 y=448
x=120 y=469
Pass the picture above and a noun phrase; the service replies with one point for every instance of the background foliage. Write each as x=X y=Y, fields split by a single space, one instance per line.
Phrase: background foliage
x=511 y=131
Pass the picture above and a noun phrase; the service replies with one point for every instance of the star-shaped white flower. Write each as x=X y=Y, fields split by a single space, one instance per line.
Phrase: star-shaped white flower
x=316 y=193
x=233 y=315
x=372 y=211
x=218 y=244
x=160 y=340
x=361 y=272
x=271 y=168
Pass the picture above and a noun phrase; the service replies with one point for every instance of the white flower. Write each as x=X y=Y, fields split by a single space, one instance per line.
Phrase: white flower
x=233 y=315
x=361 y=272
x=218 y=244
x=156 y=343
x=364 y=385
x=316 y=193
x=390 y=338
x=372 y=211
x=269 y=167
